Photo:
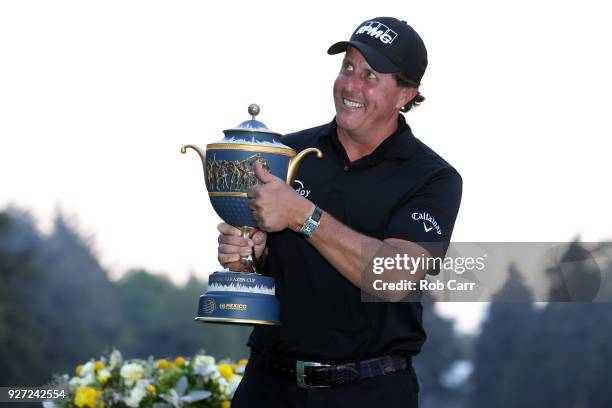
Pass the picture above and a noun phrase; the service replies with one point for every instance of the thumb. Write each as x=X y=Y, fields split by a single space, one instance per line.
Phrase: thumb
x=259 y=238
x=263 y=175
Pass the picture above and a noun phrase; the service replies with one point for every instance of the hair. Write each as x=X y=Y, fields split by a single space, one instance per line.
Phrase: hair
x=403 y=82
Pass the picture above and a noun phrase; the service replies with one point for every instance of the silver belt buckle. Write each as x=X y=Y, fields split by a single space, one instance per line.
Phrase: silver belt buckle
x=300 y=366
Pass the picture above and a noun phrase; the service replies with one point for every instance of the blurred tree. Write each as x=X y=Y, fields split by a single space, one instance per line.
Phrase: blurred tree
x=438 y=354
x=58 y=308
x=509 y=321
x=574 y=274
x=567 y=356
x=21 y=338
x=159 y=320
x=219 y=340
x=557 y=357
x=568 y=350
x=76 y=303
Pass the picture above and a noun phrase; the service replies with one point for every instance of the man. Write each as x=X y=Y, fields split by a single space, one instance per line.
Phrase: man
x=377 y=190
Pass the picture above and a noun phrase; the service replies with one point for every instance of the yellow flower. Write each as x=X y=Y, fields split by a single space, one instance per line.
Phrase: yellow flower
x=180 y=361
x=163 y=364
x=104 y=375
x=243 y=362
x=151 y=389
x=99 y=365
x=77 y=370
x=226 y=371
x=86 y=397
x=225 y=404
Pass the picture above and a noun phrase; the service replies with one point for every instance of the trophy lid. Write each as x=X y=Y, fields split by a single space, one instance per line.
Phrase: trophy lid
x=252 y=125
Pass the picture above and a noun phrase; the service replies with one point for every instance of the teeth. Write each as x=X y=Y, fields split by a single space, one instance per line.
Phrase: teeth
x=352 y=104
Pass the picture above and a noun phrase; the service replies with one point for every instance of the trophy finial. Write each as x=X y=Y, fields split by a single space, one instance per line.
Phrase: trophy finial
x=254 y=110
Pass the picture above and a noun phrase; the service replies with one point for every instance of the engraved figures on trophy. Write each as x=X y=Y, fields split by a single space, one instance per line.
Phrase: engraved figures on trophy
x=233 y=175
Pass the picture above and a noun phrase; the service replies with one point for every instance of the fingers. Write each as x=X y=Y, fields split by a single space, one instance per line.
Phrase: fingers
x=232 y=245
x=227 y=229
x=254 y=208
x=233 y=250
x=235 y=241
x=231 y=253
x=227 y=258
x=232 y=235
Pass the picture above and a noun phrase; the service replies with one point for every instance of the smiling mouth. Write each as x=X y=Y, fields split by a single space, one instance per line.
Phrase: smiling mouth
x=352 y=104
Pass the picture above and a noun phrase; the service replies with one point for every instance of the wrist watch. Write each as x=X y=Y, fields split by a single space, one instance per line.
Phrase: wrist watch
x=312 y=223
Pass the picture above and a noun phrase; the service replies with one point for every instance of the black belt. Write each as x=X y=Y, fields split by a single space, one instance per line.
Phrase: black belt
x=312 y=374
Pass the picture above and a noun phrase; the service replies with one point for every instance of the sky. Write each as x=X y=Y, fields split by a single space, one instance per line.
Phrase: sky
x=96 y=99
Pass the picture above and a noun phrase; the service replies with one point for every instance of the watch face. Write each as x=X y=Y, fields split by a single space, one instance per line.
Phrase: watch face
x=309 y=228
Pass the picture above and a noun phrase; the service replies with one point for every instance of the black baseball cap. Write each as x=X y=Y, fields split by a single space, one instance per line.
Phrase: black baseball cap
x=389 y=45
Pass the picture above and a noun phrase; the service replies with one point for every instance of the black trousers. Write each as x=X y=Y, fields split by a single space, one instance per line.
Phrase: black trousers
x=259 y=389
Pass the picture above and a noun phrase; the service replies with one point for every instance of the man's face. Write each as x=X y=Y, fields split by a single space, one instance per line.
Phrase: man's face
x=365 y=99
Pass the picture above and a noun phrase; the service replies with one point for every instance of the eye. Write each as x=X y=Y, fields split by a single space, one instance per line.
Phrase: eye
x=347 y=66
x=371 y=75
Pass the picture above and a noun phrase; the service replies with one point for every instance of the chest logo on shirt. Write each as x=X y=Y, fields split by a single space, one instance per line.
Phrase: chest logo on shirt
x=429 y=222
x=300 y=189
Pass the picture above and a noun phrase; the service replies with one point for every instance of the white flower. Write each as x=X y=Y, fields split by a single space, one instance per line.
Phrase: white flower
x=115 y=359
x=173 y=398
x=205 y=366
x=136 y=394
x=228 y=388
x=234 y=383
x=74 y=383
x=131 y=373
x=81 y=382
x=116 y=397
x=87 y=368
x=103 y=375
x=88 y=379
x=177 y=397
x=224 y=387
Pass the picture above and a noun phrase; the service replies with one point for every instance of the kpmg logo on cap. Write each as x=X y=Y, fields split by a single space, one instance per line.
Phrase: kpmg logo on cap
x=377 y=30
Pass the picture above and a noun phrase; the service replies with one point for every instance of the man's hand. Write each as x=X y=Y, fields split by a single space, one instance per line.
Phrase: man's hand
x=232 y=245
x=275 y=204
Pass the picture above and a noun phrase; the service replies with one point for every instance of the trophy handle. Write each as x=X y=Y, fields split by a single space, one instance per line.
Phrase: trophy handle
x=295 y=162
x=199 y=152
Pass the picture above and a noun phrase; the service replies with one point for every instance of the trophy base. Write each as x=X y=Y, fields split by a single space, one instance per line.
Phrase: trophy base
x=239 y=298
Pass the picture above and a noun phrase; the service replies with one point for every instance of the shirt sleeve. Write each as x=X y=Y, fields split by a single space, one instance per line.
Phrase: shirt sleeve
x=427 y=217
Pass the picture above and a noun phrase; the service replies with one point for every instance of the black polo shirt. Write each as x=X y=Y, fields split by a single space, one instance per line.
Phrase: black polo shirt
x=404 y=190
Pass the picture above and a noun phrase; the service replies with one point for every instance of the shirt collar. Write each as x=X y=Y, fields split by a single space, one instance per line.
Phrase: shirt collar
x=400 y=144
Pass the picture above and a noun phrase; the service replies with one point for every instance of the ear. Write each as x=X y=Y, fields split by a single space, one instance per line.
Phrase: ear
x=406 y=95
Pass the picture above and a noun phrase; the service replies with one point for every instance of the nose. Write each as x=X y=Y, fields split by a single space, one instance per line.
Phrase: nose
x=352 y=84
